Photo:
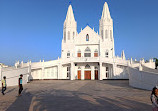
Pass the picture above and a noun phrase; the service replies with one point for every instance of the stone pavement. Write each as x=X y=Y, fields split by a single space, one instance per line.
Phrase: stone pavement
x=66 y=95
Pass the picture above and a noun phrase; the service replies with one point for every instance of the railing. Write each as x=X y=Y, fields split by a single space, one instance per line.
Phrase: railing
x=86 y=59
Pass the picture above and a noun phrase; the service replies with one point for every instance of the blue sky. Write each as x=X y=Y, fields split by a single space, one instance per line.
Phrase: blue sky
x=33 y=29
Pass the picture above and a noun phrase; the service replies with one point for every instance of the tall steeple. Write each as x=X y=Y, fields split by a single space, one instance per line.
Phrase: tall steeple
x=106 y=24
x=106 y=30
x=69 y=34
x=70 y=15
x=70 y=26
x=123 y=55
x=106 y=12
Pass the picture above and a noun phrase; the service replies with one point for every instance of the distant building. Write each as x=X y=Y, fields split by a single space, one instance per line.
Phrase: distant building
x=87 y=55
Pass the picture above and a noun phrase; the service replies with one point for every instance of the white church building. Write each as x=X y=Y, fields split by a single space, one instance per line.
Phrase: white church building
x=87 y=55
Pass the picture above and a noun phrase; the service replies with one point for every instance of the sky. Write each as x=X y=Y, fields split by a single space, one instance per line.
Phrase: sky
x=33 y=29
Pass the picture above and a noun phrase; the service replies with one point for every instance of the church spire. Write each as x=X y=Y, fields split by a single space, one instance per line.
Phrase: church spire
x=123 y=55
x=70 y=26
x=106 y=12
x=70 y=15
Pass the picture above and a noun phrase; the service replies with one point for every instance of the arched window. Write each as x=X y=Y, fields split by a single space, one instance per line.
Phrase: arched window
x=79 y=68
x=87 y=67
x=64 y=36
x=96 y=68
x=107 y=53
x=106 y=34
x=87 y=52
x=68 y=54
x=79 y=53
x=87 y=37
x=111 y=35
x=68 y=35
x=73 y=35
x=87 y=49
x=96 y=53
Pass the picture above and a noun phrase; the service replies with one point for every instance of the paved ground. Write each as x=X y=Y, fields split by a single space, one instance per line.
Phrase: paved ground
x=60 y=95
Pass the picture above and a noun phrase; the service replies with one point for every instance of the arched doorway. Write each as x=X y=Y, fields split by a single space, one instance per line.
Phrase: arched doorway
x=96 y=73
x=79 y=73
x=87 y=72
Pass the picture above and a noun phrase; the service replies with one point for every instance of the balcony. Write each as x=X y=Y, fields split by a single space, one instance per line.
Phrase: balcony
x=86 y=59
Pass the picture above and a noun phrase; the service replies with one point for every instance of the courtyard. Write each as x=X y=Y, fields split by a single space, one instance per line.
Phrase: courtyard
x=77 y=95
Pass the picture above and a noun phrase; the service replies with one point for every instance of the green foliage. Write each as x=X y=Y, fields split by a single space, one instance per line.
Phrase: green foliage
x=156 y=62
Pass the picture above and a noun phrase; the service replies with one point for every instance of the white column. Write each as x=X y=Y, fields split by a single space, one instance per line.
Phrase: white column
x=100 y=70
x=92 y=73
x=82 y=72
x=29 y=73
x=114 y=69
x=140 y=67
x=59 y=71
x=72 y=73
x=111 y=75
x=43 y=72
x=75 y=69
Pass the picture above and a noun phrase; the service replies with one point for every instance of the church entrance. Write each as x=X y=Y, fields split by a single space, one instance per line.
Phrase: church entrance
x=79 y=74
x=96 y=73
x=87 y=75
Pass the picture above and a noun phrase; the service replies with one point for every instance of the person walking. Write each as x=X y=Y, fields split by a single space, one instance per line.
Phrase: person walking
x=20 y=85
x=154 y=98
x=4 y=85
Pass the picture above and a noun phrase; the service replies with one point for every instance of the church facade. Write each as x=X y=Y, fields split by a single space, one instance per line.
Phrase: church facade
x=92 y=55
x=87 y=55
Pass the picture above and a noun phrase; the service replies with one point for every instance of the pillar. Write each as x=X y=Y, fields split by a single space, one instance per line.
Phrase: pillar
x=72 y=73
x=43 y=72
x=29 y=73
x=75 y=69
x=59 y=71
x=82 y=72
x=100 y=70
x=114 y=69
x=140 y=67
x=92 y=73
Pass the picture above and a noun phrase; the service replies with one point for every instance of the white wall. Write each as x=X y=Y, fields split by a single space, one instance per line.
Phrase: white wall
x=51 y=73
x=12 y=75
x=142 y=79
x=36 y=73
x=121 y=72
x=147 y=69
x=150 y=65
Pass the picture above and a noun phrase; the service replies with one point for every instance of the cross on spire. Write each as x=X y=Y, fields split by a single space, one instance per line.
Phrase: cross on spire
x=70 y=2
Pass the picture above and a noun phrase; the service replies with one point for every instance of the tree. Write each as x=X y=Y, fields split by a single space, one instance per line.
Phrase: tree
x=156 y=63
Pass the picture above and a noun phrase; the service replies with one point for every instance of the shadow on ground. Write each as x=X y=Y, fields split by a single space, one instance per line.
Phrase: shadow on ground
x=62 y=100
x=118 y=83
x=22 y=103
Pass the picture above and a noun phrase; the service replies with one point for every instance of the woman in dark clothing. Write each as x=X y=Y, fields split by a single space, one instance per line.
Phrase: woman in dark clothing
x=20 y=85
x=154 y=98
